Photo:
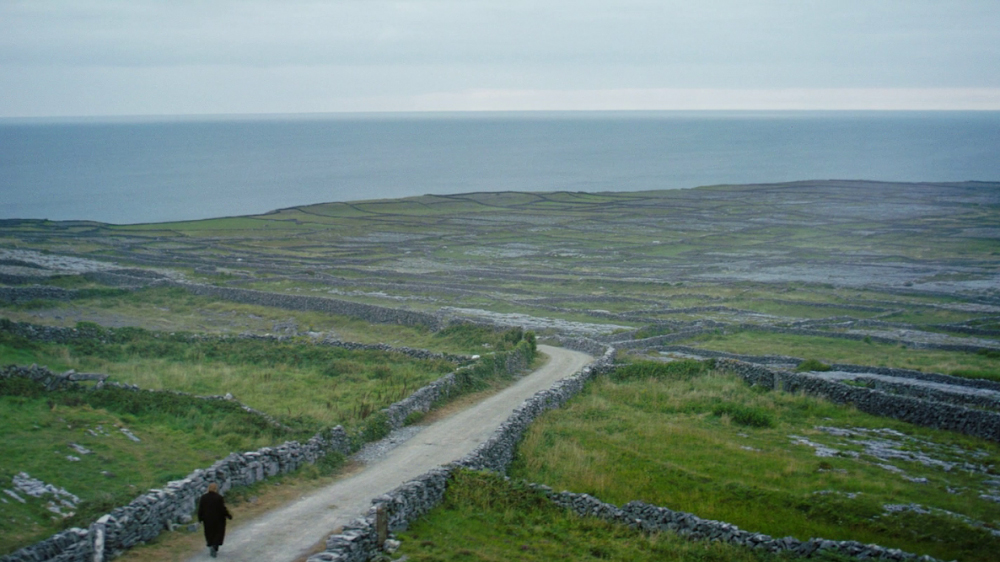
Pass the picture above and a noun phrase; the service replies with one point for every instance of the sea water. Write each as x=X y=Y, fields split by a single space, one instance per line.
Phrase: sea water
x=168 y=169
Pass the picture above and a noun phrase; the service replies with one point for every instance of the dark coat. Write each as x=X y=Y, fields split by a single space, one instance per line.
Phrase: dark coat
x=213 y=513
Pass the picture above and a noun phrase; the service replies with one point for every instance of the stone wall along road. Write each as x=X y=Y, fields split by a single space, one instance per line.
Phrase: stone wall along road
x=287 y=533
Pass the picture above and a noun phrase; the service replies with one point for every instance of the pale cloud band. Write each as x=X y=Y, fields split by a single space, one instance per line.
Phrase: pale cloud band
x=915 y=99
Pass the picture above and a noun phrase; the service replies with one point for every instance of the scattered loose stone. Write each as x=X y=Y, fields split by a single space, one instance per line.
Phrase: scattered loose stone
x=101 y=431
x=821 y=450
x=916 y=450
x=371 y=452
x=80 y=449
x=58 y=510
x=129 y=434
x=60 y=498
x=924 y=510
x=848 y=495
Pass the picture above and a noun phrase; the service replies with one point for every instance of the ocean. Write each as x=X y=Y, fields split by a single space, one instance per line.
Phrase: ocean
x=128 y=171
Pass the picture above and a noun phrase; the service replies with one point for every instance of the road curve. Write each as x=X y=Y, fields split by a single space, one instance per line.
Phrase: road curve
x=287 y=533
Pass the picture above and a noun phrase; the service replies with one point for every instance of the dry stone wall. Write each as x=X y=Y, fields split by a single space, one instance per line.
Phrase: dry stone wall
x=134 y=279
x=918 y=375
x=765 y=359
x=848 y=368
x=19 y=295
x=57 y=334
x=660 y=340
x=423 y=400
x=583 y=345
x=711 y=327
x=864 y=337
x=989 y=402
x=651 y=519
x=980 y=423
x=367 y=312
x=358 y=541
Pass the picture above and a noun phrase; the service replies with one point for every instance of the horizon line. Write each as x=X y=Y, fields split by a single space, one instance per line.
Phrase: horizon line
x=620 y=100
x=458 y=113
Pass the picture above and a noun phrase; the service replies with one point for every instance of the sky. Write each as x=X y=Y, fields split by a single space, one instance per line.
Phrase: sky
x=131 y=57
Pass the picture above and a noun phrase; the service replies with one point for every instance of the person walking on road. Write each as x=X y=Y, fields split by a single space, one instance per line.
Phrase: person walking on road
x=212 y=513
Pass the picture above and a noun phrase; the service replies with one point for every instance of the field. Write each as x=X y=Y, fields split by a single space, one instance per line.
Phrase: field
x=107 y=447
x=867 y=273
x=683 y=436
x=985 y=365
x=486 y=518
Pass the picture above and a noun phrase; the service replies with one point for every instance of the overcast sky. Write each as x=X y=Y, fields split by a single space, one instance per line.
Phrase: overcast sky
x=92 y=57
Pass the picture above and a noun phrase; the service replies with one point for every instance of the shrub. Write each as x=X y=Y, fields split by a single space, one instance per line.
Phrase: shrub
x=812 y=365
x=513 y=335
x=375 y=427
x=415 y=416
x=532 y=342
x=747 y=416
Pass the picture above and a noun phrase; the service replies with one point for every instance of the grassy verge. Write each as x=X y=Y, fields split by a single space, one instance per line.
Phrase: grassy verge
x=836 y=350
x=695 y=440
x=483 y=517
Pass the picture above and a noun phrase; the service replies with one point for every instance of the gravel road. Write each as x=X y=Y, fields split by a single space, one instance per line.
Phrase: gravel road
x=287 y=533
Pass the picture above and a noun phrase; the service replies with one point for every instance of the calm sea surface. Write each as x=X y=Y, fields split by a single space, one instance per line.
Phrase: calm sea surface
x=132 y=171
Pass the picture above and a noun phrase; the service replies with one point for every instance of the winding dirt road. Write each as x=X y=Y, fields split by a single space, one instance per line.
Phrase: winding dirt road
x=288 y=533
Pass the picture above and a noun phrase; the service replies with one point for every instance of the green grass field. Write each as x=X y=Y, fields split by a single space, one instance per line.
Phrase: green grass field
x=176 y=310
x=305 y=386
x=486 y=518
x=176 y=435
x=296 y=381
x=696 y=440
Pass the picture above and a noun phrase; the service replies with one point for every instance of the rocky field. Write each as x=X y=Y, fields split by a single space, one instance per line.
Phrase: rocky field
x=895 y=285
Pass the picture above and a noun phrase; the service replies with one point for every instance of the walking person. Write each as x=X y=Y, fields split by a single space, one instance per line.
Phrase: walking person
x=212 y=513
